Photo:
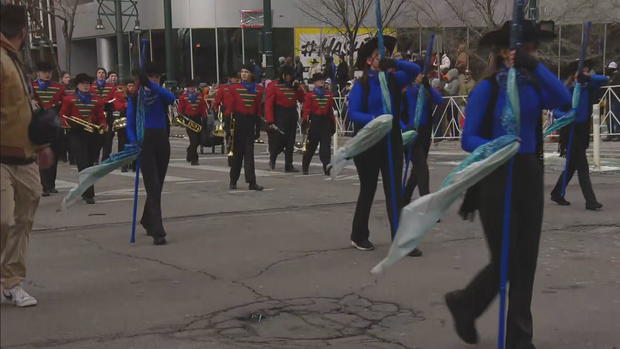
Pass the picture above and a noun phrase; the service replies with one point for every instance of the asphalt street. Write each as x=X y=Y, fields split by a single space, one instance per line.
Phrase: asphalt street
x=275 y=269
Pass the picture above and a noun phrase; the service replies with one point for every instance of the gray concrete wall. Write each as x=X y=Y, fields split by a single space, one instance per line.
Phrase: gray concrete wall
x=84 y=57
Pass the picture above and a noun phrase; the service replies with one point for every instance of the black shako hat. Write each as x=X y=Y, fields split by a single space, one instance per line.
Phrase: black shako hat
x=370 y=46
x=247 y=67
x=542 y=31
x=45 y=67
x=82 y=78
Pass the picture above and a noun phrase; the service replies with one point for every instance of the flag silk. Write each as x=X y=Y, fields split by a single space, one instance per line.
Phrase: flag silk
x=418 y=217
x=563 y=119
x=408 y=137
x=89 y=176
x=368 y=136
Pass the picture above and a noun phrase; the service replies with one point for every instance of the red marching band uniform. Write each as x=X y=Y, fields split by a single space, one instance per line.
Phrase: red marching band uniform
x=195 y=108
x=281 y=110
x=119 y=105
x=83 y=139
x=245 y=104
x=50 y=97
x=318 y=115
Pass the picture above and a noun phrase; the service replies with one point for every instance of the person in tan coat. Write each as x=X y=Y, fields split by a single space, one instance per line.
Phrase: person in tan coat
x=20 y=185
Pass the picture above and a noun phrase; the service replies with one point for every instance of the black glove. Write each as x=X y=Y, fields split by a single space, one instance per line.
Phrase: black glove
x=387 y=63
x=426 y=83
x=583 y=78
x=525 y=60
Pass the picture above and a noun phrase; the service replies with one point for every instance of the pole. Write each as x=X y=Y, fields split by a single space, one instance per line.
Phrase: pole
x=118 y=15
x=217 y=57
x=596 y=139
x=559 y=49
x=170 y=64
x=191 y=52
x=268 y=45
x=604 y=47
x=242 y=45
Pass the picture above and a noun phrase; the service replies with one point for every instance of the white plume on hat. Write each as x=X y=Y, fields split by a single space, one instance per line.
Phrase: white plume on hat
x=612 y=65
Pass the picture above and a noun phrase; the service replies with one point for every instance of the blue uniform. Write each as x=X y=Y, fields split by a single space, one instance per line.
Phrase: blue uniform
x=584 y=110
x=155 y=116
x=435 y=98
x=406 y=72
x=550 y=93
x=376 y=159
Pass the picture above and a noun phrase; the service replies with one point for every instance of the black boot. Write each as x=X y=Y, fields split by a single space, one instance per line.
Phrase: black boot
x=232 y=186
x=464 y=320
x=254 y=186
x=559 y=200
x=327 y=169
x=593 y=206
x=291 y=169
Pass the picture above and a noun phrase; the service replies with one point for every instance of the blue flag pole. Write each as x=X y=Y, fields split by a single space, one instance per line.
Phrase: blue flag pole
x=394 y=202
x=516 y=41
x=132 y=238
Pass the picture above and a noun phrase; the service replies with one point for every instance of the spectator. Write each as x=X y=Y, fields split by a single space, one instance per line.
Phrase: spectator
x=614 y=80
x=452 y=89
x=314 y=67
x=342 y=73
x=445 y=63
x=257 y=71
x=466 y=83
x=462 y=58
x=330 y=68
x=19 y=173
x=299 y=70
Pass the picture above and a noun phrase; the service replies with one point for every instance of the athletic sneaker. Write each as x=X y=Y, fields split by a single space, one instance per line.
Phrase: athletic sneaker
x=363 y=245
x=18 y=297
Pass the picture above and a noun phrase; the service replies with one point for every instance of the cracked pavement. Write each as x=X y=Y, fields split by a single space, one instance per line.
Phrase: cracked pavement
x=275 y=269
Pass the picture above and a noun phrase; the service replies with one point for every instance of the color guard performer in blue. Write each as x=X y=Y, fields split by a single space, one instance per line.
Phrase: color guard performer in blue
x=576 y=155
x=419 y=167
x=152 y=100
x=365 y=103
x=538 y=89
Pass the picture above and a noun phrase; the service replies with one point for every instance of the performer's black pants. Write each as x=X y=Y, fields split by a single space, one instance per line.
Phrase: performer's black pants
x=63 y=145
x=83 y=146
x=243 y=148
x=48 y=175
x=154 y=162
x=526 y=220
x=286 y=120
x=368 y=165
x=419 y=167
x=578 y=160
x=320 y=131
x=98 y=141
x=194 y=141
x=108 y=140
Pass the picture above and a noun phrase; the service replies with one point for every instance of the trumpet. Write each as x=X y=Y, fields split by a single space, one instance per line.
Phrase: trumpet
x=188 y=123
x=231 y=151
x=86 y=125
x=219 y=126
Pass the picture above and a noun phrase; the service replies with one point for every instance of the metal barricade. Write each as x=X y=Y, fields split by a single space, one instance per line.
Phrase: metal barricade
x=610 y=111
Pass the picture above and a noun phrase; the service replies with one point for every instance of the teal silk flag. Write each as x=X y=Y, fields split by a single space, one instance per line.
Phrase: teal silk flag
x=91 y=175
x=368 y=136
x=566 y=118
x=421 y=215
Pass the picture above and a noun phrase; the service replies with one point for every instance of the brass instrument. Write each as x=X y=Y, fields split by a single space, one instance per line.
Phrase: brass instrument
x=119 y=123
x=232 y=136
x=219 y=126
x=188 y=123
x=86 y=125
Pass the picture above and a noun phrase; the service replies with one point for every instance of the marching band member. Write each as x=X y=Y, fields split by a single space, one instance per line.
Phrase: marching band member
x=281 y=111
x=110 y=110
x=48 y=94
x=538 y=89
x=120 y=107
x=104 y=92
x=245 y=103
x=222 y=102
x=83 y=105
x=192 y=104
x=576 y=155
x=419 y=167
x=366 y=103
x=319 y=123
x=152 y=100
